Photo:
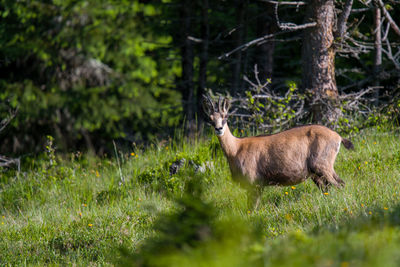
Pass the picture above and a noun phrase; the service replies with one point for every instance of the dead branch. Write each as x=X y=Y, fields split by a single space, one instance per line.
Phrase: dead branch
x=290 y=3
x=7 y=162
x=286 y=29
x=4 y=161
x=360 y=10
x=6 y=121
x=388 y=17
x=268 y=110
x=342 y=20
x=394 y=58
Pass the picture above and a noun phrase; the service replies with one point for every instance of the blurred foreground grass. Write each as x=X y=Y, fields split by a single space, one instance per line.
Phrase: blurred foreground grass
x=77 y=209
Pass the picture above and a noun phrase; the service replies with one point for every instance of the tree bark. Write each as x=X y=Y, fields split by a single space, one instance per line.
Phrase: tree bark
x=186 y=83
x=378 y=49
x=318 y=60
x=205 y=35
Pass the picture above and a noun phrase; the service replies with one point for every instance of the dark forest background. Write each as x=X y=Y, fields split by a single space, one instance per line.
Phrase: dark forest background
x=91 y=71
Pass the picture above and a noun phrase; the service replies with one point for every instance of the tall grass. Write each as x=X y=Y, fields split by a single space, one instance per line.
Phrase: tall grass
x=77 y=211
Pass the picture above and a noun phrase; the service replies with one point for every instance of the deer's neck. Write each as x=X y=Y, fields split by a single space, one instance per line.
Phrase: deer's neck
x=229 y=143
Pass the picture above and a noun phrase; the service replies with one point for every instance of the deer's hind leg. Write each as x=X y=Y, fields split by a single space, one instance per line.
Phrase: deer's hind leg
x=326 y=178
x=337 y=178
x=322 y=166
x=321 y=182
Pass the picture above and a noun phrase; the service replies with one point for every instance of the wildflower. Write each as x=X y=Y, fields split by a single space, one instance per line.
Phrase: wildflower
x=293 y=187
x=97 y=174
x=359 y=167
x=326 y=193
x=286 y=193
x=84 y=205
x=248 y=212
x=344 y=264
x=2 y=222
x=166 y=147
x=374 y=143
x=385 y=208
x=80 y=214
x=370 y=213
x=3 y=217
x=288 y=217
x=136 y=156
x=362 y=205
x=366 y=163
x=132 y=154
x=90 y=225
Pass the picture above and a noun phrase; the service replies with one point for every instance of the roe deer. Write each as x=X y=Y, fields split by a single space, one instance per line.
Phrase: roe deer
x=285 y=158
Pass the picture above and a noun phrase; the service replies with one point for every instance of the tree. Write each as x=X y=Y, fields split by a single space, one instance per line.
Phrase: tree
x=318 y=57
x=205 y=36
x=187 y=56
x=85 y=72
x=266 y=25
x=239 y=37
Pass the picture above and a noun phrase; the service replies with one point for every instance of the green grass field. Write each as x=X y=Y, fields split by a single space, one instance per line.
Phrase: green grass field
x=73 y=209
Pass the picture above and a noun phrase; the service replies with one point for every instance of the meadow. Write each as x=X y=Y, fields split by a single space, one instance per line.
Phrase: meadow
x=128 y=209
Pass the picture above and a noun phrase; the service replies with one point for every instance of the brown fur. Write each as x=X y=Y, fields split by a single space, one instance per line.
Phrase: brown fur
x=285 y=158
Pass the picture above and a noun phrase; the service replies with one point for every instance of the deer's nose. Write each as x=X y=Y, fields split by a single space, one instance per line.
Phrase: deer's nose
x=218 y=128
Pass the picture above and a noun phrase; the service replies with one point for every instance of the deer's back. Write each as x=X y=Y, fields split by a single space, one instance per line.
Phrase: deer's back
x=283 y=158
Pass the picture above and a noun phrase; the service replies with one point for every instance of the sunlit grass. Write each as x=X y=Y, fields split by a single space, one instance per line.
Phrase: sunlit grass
x=82 y=210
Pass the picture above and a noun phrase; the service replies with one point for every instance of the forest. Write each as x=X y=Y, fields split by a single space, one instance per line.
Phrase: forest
x=108 y=157
x=89 y=72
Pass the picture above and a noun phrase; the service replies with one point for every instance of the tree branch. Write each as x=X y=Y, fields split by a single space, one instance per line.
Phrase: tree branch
x=6 y=162
x=286 y=28
x=342 y=20
x=389 y=18
x=294 y=3
x=6 y=121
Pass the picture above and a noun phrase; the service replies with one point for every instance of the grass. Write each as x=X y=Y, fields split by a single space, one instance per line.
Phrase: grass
x=74 y=209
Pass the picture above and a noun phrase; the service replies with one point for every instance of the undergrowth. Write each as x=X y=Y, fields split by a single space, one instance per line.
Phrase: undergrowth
x=84 y=210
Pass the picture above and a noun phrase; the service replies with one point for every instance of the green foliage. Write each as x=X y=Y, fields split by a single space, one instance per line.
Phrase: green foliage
x=193 y=234
x=277 y=112
x=85 y=70
x=185 y=229
x=161 y=179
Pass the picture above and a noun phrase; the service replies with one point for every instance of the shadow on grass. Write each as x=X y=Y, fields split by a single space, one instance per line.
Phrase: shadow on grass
x=194 y=236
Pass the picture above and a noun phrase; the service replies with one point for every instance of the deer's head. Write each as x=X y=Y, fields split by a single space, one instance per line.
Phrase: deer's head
x=217 y=112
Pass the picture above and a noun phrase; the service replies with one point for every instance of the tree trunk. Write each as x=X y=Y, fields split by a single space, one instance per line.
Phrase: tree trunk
x=265 y=51
x=205 y=34
x=238 y=40
x=186 y=83
x=378 y=49
x=318 y=60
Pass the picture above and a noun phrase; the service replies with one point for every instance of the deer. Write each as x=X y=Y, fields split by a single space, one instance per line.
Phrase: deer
x=286 y=158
